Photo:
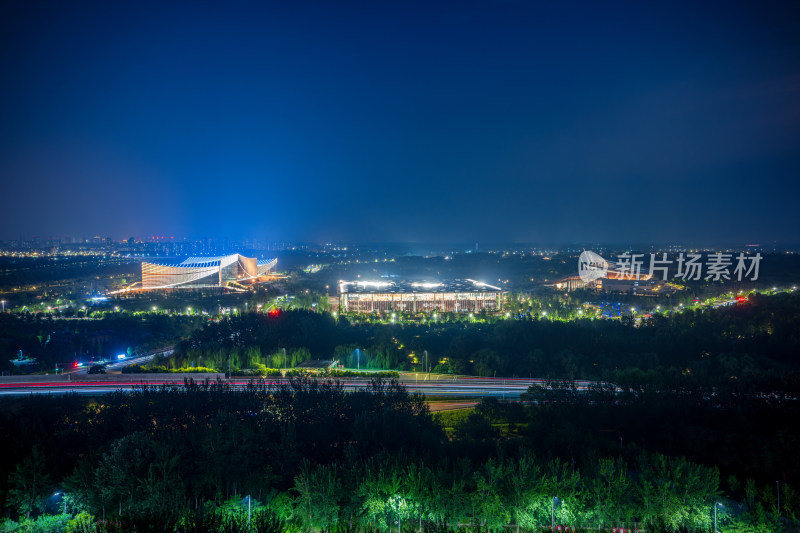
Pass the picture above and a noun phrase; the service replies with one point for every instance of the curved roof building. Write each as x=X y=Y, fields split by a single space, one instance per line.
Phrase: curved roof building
x=204 y=271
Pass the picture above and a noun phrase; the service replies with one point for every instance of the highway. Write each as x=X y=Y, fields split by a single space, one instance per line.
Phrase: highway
x=118 y=364
x=434 y=386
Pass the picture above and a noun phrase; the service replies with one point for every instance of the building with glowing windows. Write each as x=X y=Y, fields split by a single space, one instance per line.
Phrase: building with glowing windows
x=197 y=272
x=457 y=296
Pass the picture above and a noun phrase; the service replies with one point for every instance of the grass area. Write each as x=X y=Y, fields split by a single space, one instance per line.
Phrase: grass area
x=452 y=418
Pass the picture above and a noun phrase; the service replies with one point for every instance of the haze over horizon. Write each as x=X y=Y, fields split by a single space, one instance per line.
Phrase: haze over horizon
x=365 y=122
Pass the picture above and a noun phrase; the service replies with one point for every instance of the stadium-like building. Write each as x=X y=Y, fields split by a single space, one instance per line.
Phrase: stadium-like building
x=457 y=296
x=204 y=271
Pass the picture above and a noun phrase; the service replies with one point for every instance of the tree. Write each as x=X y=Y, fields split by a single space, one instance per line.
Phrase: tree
x=608 y=487
x=523 y=480
x=417 y=485
x=29 y=483
x=317 y=489
x=489 y=500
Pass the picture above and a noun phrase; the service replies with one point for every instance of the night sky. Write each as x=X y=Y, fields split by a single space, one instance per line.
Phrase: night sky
x=553 y=122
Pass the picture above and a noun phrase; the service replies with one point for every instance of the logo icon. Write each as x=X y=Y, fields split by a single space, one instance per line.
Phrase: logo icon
x=591 y=266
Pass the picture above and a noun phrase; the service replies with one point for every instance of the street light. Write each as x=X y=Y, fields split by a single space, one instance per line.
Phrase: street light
x=4 y=305
x=715 y=515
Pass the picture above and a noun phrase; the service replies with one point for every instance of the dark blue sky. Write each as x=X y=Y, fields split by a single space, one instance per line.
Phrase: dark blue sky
x=453 y=121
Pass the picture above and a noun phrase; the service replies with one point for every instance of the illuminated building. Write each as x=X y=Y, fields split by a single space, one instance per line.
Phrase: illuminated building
x=614 y=281
x=457 y=296
x=204 y=271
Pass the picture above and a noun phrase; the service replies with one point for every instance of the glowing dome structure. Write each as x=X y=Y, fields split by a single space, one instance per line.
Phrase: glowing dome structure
x=197 y=272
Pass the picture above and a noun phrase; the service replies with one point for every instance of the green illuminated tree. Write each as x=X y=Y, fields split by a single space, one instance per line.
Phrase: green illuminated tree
x=417 y=485
x=524 y=479
x=489 y=500
x=316 y=489
x=608 y=488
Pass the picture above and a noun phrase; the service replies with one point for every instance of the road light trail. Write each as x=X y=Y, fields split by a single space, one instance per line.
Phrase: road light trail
x=459 y=387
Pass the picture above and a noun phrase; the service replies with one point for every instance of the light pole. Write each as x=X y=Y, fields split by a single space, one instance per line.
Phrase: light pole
x=426 y=360
x=553 y=512
x=715 y=515
x=4 y=305
x=248 y=511
x=284 y=360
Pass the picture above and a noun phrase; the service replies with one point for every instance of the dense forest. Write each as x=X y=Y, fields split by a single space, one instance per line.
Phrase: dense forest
x=307 y=455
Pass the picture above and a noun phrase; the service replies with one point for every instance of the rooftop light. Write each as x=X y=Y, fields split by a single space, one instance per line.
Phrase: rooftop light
x=426 y=285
